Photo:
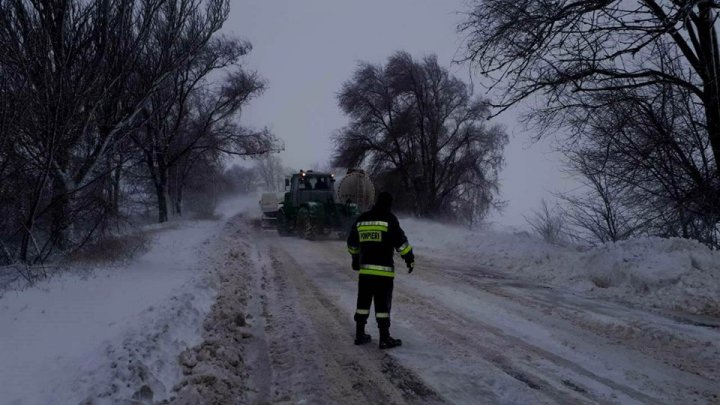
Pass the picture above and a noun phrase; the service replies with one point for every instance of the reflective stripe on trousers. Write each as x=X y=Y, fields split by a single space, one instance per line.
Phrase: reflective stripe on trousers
x=375 y=270
x=375 y=291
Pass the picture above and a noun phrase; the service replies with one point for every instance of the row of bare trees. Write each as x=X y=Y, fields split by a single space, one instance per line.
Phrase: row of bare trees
x=637 y=86
x=102 y=101
x=418 y=130
x=267 y=174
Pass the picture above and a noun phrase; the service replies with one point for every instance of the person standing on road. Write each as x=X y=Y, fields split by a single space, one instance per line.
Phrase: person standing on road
x=373 y=237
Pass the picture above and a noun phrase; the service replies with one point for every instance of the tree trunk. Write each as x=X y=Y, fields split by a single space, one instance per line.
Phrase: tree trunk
x=162 y=202
x=161 y=188
x=27 y=235
x=712 y=117
x=176 y=190
x=30 y=221
x=116 y=176
x=60 y=221
x=178 y=200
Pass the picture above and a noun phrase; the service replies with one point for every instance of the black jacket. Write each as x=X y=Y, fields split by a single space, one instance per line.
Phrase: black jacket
x=375 y=236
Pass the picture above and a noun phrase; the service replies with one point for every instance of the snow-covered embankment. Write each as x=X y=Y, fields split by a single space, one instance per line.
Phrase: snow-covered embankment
x=117 y=333
x=670 y=274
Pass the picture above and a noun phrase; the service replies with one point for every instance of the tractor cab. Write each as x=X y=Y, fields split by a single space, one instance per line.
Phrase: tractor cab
x=309 y=208
x=305 y=187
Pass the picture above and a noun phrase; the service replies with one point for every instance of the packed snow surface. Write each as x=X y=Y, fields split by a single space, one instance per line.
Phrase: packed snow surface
x=673 y=274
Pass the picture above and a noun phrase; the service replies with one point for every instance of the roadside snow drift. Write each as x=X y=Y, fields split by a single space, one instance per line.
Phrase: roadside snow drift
x=75 y=337
x=672 y=274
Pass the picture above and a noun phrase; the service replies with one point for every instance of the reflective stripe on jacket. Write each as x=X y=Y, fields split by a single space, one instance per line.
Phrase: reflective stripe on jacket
x=375 y=236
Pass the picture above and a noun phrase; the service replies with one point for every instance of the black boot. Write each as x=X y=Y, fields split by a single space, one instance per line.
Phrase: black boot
x=360 y=336
x=387 y=342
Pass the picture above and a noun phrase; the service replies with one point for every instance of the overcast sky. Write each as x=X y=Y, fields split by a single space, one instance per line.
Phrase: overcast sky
x=306 y=49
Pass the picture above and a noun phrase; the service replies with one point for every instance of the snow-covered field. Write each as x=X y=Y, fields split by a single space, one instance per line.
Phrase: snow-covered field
x=671 y=274
x=217 y=309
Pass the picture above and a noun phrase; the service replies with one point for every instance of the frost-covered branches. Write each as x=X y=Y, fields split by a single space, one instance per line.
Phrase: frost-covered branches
x=80 y=81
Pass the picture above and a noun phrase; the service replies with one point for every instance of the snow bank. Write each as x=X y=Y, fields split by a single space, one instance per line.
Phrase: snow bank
x=676 y=274
x=74 y=337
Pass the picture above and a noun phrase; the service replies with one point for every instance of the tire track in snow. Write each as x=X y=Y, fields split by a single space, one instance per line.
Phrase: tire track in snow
x=684 y=347
x=635 y=384
x=258 y=388
x=321 y=266
x=360 y=374
x=563 y=375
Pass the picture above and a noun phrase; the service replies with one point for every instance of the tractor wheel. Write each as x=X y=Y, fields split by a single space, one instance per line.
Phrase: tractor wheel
x=282 y=224
x=306 y=225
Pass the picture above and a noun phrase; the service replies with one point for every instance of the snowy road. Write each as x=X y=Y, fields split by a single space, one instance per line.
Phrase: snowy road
x=470 y=335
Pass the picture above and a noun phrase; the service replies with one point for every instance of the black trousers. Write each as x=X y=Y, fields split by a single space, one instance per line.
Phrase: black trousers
x=378 y=289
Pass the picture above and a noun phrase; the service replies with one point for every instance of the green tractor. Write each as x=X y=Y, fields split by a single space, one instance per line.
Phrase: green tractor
x=310 y=210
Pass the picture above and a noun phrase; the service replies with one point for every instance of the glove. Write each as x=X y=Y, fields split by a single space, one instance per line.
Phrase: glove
x=410 y=261
x=356 y=262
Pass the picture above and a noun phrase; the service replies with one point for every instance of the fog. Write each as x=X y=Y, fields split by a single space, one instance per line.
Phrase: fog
x=306 y=49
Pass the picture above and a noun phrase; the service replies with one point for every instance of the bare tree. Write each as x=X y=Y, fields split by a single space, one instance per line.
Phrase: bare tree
x=568 y=49
x=548 y=223
x=77 y=66
x=194 y=120
x=417 y=126
x=270 y=170
x=78 y=79
x=647 y=159
x=600 y=215
x=636 y=82
x=59 y=54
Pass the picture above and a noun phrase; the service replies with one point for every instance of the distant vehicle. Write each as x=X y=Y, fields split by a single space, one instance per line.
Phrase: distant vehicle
x=310 y=208
x=270 y=205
